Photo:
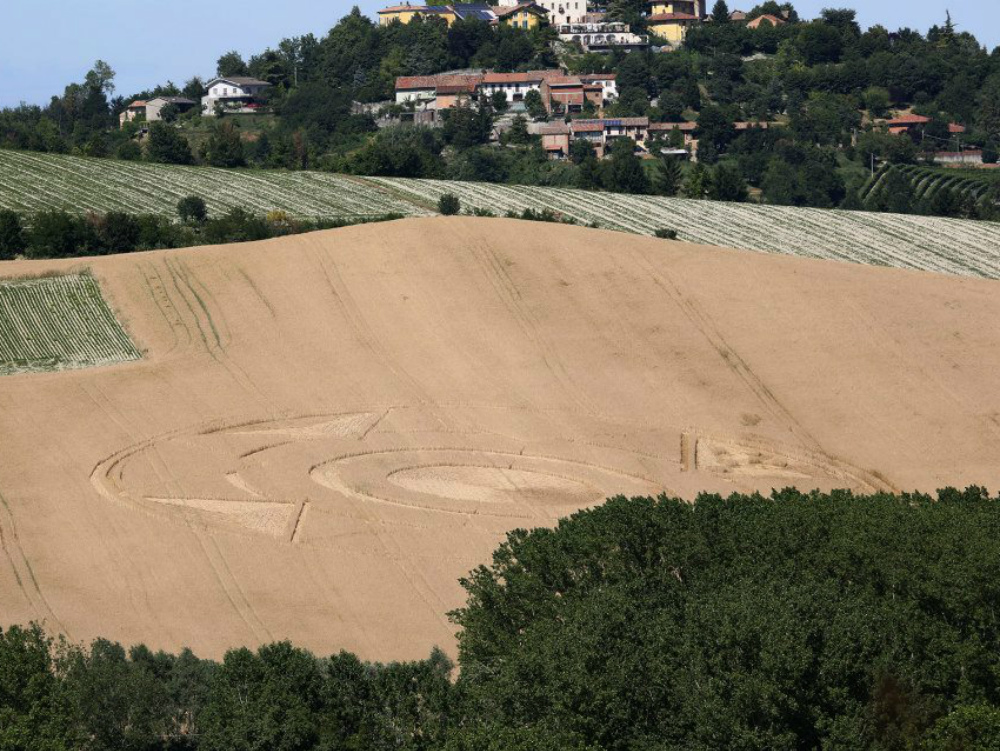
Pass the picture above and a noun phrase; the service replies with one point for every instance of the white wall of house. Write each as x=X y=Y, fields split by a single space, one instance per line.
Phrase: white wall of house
x=416 y=95
x=564 y=11
x=515 y=92
x=223 y=90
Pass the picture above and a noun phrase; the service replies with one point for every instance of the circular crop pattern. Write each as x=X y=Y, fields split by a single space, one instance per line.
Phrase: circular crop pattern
x=317 y=479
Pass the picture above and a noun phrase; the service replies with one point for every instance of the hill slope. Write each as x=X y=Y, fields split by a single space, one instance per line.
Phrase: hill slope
x=33 y=182
x=326 y=431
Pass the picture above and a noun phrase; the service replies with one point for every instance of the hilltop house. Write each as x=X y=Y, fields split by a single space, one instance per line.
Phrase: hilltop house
x=424 y=90
x=671 y=19
x=560 y=12
x=233 y=94
x=522 y=14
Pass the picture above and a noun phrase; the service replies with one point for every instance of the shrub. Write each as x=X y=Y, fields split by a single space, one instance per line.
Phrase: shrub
x=666 y=234
x=990 y=154
x=118 y=232
x=192 y=208
x=11 y=235
x=129 y=151
x=448 y=204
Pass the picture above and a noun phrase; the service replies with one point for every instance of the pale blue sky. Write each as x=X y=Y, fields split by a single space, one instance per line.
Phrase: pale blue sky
x=44 y=46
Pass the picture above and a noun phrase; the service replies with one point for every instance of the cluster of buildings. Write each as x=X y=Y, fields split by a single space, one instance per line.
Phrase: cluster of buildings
x=573 y=19
x=560 y=93
x=238 y=94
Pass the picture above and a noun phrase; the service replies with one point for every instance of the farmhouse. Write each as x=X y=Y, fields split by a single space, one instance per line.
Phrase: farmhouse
x=662 y=130
x=133 y=111
x=233 y=94
x=555 y=139
x=425 y=90
x=601 y=132
x=155 y=107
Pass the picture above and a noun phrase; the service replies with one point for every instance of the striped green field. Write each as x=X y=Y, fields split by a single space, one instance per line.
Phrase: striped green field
x=58 y=323
x=32 y=182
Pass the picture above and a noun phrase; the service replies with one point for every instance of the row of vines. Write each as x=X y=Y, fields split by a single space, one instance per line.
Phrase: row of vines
x=58 y=323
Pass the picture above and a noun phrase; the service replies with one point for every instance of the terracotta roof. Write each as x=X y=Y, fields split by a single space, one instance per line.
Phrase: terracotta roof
x=910 y=119
x=565 y=81
x=465 y=88
x=398 y=8
x=404 y=83
x=664 y=17
x=529 y=77
x=897 y=131
x=737 y=15
x=137 y=103
x=956 y=128
x=587 y=126
x=598 y=76
x=553 y=129
x=685 y=126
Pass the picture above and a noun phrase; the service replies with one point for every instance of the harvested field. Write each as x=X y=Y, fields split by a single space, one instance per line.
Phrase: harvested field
x=327 y=431
x=58 y=323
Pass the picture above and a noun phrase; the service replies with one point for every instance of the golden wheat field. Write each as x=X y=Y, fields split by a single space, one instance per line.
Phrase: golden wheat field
x=325 y=432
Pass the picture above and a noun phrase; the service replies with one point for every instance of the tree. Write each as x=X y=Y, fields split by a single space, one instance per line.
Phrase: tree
x=12 y=237
x=623 y=172
x=534 y=105
x=448 y=204
x=667 y=180
x=988 y=114
x=518 y=133
x=727 y=184
x=720 y=12
x=192 y=209
x=225 y=146
x=498 y=101
x=167 y=146
x=267 y=700
x=697 y=182
x=715 y=133
x=877 y=101
x=468 y=126
x=231 y=64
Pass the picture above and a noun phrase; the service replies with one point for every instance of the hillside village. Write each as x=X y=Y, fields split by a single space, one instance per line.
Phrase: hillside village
x=669 y=97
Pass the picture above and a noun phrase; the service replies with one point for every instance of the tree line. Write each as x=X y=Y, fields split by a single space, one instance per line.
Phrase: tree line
x=794 y=621
x=62 y=234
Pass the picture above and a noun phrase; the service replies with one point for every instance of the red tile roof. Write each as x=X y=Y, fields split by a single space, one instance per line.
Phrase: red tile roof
x=503 y=12
x=404 y=83
x=137 y=103
x=910 y=119
x=598 y=76
x=674 y=126
x=956 y=128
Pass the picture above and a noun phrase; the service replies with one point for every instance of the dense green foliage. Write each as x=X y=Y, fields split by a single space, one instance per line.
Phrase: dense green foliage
x=60 y=234
x=798 y=621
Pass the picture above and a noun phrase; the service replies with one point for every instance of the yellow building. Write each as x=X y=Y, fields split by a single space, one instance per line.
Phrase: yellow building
x=522 y=16
x=406 y=13
x=525 y=15
x=670 y=19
